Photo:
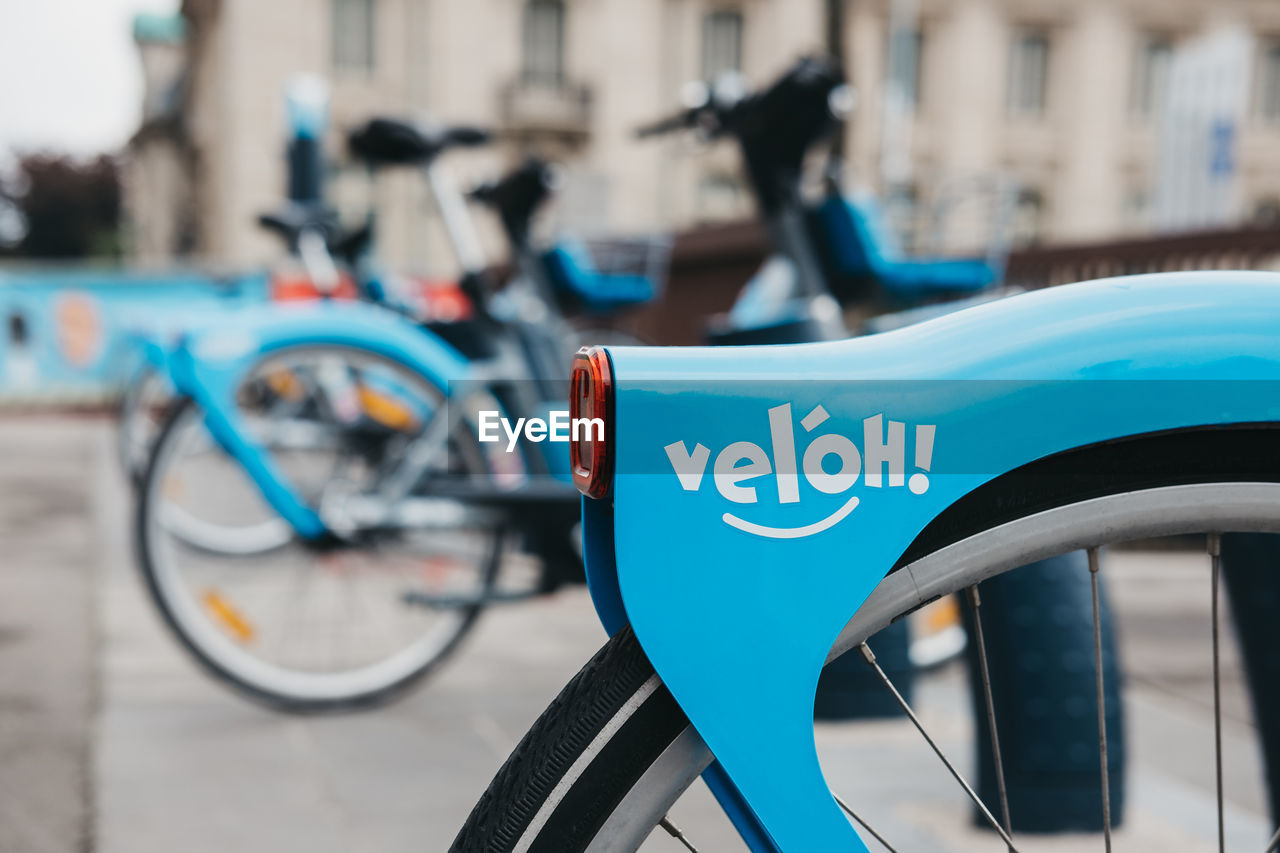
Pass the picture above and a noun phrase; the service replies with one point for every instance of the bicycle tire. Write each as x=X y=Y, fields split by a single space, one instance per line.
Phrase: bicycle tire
x=131 y=448
x=1251 y=577
x=223 y=674
x=616 y=734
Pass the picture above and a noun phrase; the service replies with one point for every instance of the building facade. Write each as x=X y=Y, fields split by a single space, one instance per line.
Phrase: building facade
x=1064 y=96
x=1068 y=98
x=157 y=174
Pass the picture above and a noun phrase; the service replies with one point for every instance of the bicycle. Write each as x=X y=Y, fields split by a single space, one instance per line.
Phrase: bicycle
x=344 y=437
x=335 y=262
x=1126 y=408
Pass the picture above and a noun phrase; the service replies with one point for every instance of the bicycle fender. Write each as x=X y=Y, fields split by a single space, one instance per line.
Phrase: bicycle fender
x=739 y=551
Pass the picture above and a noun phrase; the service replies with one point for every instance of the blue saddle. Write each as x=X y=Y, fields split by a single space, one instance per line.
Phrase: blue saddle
x=861 y=245
x=574 y=273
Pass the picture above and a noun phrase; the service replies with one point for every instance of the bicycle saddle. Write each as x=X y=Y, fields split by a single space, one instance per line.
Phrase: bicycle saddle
x=517 y=196
x=393 y=142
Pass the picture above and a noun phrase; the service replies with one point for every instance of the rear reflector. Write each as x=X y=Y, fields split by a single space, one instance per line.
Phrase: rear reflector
x=590 y=406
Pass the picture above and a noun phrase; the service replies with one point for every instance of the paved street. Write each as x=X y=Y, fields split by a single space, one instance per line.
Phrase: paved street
x=48 y=632
x=112 y=741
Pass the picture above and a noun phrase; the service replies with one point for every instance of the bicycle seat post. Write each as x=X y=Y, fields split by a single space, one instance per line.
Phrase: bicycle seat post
x=313 y=250
x=458 y=224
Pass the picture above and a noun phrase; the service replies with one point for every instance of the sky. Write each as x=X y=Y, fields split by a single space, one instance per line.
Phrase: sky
x=69 y=74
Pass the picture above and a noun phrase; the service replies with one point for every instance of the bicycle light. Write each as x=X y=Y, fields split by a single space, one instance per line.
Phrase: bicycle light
x=591 y=419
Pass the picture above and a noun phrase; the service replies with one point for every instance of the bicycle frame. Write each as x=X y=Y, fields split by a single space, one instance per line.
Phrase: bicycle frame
x=209 y=366
x=772 y=559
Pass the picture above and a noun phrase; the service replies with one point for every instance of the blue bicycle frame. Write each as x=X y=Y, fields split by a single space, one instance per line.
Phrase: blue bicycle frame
x=762 y=553
x=209 y=367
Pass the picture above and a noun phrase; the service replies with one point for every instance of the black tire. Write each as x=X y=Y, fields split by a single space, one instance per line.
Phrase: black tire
x=602 y=690
x=616 y=688
x=255 y=693
x=126 y=412
x=1251 y=572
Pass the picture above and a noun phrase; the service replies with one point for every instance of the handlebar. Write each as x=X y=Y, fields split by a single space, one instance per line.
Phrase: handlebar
x=680 y=121
x=727 y=108
x=466 y=137
x=775 y=127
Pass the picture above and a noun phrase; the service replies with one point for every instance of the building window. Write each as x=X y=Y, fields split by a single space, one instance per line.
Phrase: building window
x=1150 y=75
x=1269 y=84
x=906 y=49
x=1028 y=219
x=1266 y=212
x=1137 y=209
x=543 y=62
x=353 y=33
x=721 y=43
x=1028 y=74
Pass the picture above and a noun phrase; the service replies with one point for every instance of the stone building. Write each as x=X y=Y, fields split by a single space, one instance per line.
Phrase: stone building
x=157 y=173
x=1063 y=95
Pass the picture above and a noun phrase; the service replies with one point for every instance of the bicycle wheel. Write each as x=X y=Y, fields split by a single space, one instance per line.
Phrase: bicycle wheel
x=937 y=635
x=147 y=398
x=298 y=626
x=285 y=401
x=604 y=765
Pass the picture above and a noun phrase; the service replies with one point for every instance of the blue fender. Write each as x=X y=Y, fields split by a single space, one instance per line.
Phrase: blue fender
x=739 y=551
x=209 y=364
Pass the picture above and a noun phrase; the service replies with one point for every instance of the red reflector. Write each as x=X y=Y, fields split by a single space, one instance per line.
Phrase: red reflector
x=591 y=422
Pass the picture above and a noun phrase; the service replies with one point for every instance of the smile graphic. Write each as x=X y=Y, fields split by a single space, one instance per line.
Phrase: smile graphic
x=792 y=532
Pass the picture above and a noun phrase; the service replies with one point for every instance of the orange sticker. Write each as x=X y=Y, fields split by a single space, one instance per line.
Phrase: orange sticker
x=79 y=326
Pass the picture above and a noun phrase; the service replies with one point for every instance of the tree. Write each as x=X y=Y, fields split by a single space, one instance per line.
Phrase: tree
x=70 y=208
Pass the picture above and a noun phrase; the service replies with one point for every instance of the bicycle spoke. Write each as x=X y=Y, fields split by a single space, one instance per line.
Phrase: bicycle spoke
x=1215 y=562
x=870 y=658
x=975 y=602
x=1102 y=702
x=862 y=823
x=676 y=833
x=1275 y=843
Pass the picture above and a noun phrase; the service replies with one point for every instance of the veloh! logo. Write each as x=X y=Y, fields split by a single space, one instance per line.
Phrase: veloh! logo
x=829 y=464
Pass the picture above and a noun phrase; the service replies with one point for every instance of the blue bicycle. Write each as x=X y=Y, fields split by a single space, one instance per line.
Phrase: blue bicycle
x=329 y=253
x=754 y=513
x=322 y=518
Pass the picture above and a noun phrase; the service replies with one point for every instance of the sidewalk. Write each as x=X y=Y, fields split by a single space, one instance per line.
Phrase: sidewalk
x=47 y=619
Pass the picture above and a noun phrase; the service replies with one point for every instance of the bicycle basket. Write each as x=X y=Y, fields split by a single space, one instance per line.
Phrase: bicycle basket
x=603 y=274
